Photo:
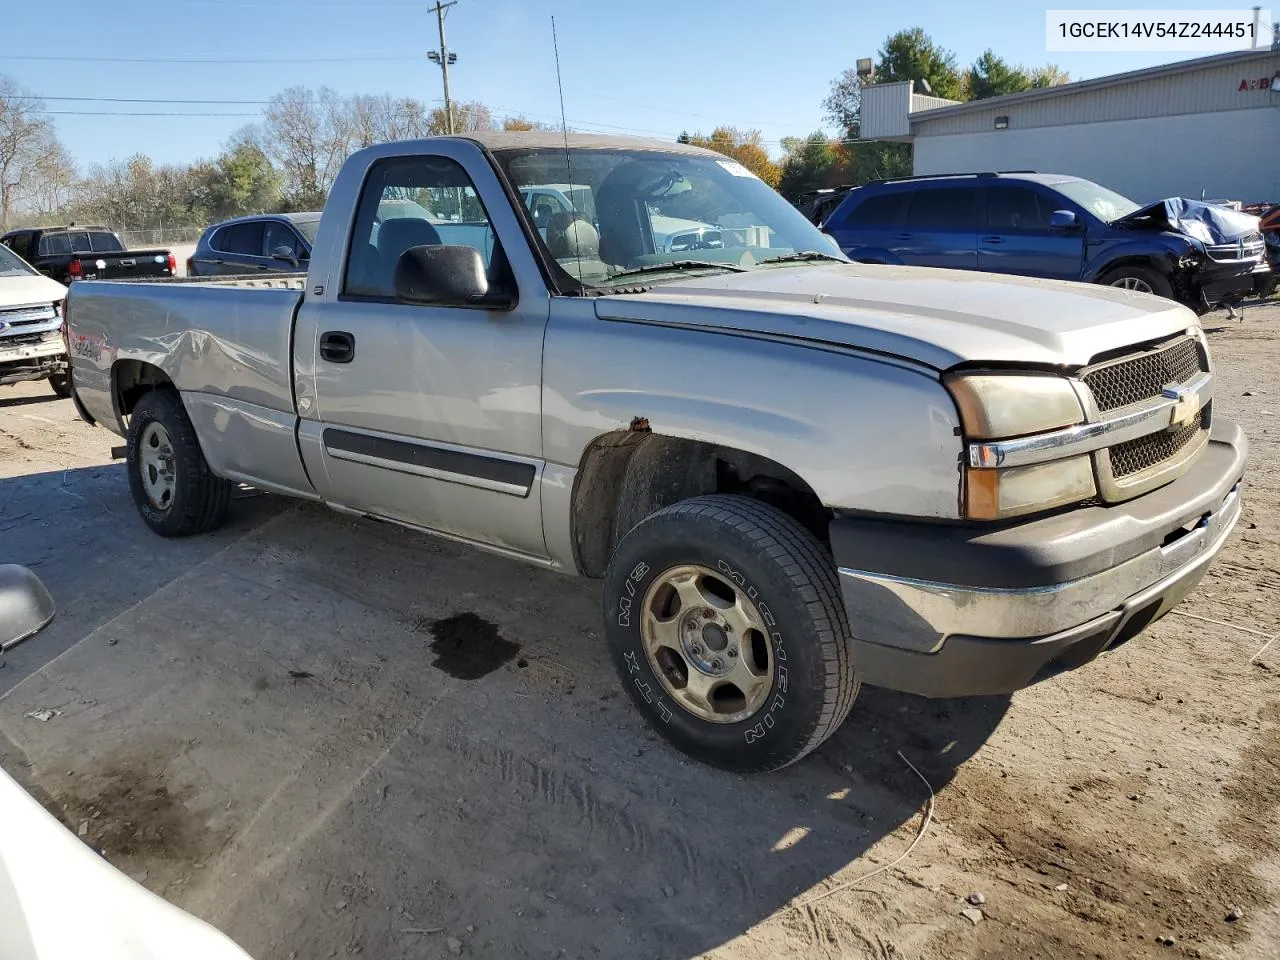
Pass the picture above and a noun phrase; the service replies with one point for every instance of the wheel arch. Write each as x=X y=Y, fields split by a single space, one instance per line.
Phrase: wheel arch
x=130 y=381
x=626 y=475
x=1153 y=258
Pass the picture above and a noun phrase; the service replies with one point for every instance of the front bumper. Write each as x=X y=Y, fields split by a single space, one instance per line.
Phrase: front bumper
x=960 y=611
x=33 y=361
x=1225 y=282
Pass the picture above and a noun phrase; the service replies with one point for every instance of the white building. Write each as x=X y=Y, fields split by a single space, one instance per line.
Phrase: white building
x=1201 y=128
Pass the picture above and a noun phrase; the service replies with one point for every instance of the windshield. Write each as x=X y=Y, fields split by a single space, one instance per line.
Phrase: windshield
x=12 y=265
x=607 y=214
x=308 y=229
x=1106 y=205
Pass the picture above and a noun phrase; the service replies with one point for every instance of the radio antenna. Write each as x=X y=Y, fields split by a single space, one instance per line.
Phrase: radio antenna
x=568 y=164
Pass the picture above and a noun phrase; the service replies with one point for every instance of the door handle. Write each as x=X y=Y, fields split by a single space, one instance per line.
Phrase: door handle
x=993 y=239
x=337 y=346
x=903 y=236
x=262 y=266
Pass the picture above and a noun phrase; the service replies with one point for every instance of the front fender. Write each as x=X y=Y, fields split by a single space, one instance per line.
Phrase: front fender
x=1109 y=253
x=865 y=433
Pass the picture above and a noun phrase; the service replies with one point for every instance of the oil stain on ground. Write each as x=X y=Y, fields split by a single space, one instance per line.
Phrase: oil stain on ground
x=129 y=809
x=468 y=646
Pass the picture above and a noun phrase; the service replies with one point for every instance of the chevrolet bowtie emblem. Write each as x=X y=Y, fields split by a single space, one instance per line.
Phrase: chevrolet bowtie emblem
x=1186 y=405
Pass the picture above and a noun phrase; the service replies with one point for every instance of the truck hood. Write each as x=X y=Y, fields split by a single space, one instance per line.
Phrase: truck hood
x=30 y=290
x=940 y=318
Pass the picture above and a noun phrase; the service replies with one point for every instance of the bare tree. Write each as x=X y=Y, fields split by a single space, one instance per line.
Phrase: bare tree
x=54 y=185
x=28 y=146
x=307 y=135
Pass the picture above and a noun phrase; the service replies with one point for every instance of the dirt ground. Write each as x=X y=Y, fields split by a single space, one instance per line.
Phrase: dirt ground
x=332 y=737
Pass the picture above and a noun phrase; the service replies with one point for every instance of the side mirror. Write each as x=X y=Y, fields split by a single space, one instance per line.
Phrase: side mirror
x=444 y=276
x=25 y=605
x=1063 y=220
x=286 y=254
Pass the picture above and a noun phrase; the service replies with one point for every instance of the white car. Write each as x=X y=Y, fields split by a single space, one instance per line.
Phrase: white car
x=58 y=899
x=31 y=344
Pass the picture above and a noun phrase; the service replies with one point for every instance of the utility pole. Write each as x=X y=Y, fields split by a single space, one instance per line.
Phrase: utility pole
x=443 y=57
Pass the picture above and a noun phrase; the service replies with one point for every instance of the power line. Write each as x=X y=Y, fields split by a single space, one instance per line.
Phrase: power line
x=146 y=100
x=370 y=58
x=140 y=113
x=595 y=125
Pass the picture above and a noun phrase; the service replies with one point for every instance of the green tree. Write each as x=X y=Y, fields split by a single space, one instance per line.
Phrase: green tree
x=912 y=55
x=240 y=181
x=992 y=76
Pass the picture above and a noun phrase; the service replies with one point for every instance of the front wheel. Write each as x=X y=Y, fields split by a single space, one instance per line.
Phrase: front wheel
x=1140 y=279
x=724 y=619
x=173 y=488
x=61 y=384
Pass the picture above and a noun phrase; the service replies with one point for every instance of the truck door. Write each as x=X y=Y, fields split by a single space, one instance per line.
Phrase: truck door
x=429 y=415
x=1017 y=237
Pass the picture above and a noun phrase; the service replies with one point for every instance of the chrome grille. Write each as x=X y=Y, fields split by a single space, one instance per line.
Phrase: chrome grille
x=23 y=339
x=1249 y=248
x=1137 y=455
x=1143 y=377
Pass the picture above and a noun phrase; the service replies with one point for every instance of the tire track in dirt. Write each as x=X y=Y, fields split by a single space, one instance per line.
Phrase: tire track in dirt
x=577 y=804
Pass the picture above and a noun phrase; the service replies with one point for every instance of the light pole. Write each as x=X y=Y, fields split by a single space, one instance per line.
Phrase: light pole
x=444 y=58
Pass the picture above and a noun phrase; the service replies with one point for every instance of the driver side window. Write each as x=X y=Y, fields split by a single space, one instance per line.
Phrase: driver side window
x=410 y=202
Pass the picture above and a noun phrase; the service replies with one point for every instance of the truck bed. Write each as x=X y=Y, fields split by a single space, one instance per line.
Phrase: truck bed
x=227 y=337
x=277 y=281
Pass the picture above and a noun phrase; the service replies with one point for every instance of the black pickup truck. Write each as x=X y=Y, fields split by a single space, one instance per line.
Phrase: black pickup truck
x=86 y=253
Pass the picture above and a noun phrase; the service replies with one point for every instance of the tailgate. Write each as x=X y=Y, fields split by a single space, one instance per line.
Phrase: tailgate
x=130 y=265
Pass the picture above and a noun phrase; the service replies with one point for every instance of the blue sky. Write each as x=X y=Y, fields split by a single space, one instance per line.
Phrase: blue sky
x=651 y=68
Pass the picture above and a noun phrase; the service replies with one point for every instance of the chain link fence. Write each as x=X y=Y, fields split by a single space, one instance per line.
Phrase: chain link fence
x=165 y=236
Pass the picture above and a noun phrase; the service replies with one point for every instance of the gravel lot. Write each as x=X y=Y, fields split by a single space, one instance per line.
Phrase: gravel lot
x=332 y=737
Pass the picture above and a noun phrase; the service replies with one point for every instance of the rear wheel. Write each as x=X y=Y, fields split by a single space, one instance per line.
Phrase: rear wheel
x=1139 y=278
x=173 y=488
x=725 y=623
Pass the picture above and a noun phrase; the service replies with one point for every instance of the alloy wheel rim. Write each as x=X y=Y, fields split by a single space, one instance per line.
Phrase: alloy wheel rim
x=1133 y=283
x=156 y=462
x=707 y=643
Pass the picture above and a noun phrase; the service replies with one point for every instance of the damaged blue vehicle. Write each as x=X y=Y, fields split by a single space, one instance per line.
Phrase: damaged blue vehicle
x=1052 y=225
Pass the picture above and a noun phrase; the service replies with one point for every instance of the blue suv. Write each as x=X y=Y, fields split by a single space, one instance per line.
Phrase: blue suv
x=1051 y=225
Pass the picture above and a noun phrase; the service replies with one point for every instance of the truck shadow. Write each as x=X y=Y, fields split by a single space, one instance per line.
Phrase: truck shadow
x=22 y=401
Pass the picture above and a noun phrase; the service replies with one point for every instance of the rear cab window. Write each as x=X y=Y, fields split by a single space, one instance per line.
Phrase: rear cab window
x=55 y=244
x=102 y=241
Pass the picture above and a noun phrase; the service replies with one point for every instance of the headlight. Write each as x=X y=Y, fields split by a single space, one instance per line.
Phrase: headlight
x=999 y=406
x=996 y=406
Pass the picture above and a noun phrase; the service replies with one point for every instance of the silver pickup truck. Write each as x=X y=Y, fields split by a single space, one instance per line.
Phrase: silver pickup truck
x=794 y=474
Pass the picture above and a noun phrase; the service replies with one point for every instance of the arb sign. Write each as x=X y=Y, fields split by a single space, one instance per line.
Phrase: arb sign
x=1258 y=83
